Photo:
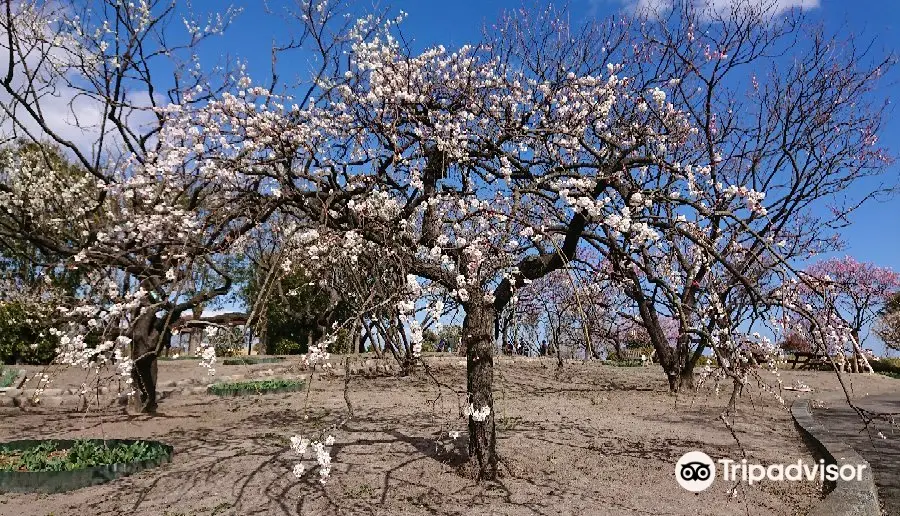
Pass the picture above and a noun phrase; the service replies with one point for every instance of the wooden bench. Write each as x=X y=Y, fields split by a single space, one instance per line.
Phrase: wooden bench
x=811 y=359
x=635 y=354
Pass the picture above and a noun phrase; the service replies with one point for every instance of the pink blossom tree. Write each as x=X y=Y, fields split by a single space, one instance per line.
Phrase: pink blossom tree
x=856 y=291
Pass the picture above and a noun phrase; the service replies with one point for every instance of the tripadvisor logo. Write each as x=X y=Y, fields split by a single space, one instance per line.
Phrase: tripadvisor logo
x=696 y=471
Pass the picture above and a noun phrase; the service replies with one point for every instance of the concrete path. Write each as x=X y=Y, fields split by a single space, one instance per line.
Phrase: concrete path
x=882 y=454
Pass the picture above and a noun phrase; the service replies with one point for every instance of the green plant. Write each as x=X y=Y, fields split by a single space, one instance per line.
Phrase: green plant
x=360 y=491
x=254 y=387
x=23 y=338
x=887 y=366
x=7 y=376
x=343 y=344
x=296 y=312
x=228 y=341
x=286 y=346
x=50 y=456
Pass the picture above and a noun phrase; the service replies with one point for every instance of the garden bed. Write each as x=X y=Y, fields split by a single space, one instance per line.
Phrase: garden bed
x=55 y=466
x=251 y=360
x=250 y=388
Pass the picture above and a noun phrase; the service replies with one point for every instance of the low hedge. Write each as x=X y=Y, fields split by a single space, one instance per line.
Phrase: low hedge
x=886 y=365
x=251 y=360
x=624 y=363
x=54 y=466
x=255 y=387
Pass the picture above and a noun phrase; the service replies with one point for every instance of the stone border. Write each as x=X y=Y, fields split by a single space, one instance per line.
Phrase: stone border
x=845 y=498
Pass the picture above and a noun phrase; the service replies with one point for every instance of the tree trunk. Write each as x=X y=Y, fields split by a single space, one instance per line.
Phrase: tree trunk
x=686 y=378
x=667 y=355
x=478 y=329
x=559 y=358
x=144 y=369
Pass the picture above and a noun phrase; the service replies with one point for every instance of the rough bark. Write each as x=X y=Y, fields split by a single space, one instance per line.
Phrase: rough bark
x=558 y=345
x=144 y=370
x=478 y=328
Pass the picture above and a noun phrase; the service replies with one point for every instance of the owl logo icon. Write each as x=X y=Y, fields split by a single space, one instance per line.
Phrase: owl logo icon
x=695 y=471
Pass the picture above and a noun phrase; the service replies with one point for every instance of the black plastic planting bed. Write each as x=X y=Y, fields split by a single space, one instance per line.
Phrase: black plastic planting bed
x=61 y=481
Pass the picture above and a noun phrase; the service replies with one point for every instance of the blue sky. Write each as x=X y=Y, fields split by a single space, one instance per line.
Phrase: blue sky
x=875 y=233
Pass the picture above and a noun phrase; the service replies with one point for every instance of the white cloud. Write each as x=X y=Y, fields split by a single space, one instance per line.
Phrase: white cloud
x=68 y=111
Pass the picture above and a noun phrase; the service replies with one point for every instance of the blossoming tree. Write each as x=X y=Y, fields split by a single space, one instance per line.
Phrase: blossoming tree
x=857 y=292
x=462 y=174
x=478 y=169
x=142 y=205
x=776 y=144
x=473 y=170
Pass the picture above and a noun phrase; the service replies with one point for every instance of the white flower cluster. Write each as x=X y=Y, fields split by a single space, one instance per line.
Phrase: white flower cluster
x=322 y=451
x=319 y=353
x=208 y=351
x=753 y=198
x=478 y=415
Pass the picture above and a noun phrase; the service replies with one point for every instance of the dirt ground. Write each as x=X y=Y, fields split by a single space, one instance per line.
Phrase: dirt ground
x=593 y=439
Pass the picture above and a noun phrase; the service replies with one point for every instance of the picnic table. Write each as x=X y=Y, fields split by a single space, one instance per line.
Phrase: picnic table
x=810 y=359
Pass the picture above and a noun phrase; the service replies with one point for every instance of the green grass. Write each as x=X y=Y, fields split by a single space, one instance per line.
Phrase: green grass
x=254 y=387
x=7 y=376
x=180 y=357
x=49 y=456
x=891 y=375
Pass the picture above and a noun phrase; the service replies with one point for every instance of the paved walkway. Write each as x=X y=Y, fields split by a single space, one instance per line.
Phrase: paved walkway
x=882 y=454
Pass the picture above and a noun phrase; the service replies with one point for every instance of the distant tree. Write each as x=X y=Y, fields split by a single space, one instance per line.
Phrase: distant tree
x=856 y=291
x=138 y=204
x=794 y=342
x=887 y=327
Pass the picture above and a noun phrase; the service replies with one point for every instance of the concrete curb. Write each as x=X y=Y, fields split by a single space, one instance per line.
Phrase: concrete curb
x=855 y=498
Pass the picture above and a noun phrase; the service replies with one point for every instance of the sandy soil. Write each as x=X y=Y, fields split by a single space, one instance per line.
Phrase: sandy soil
x=593 y=439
